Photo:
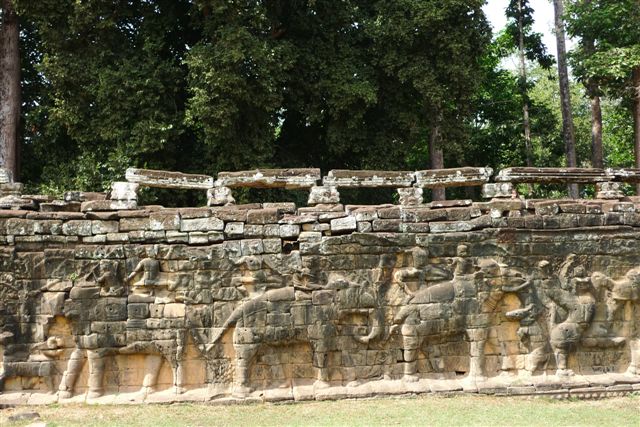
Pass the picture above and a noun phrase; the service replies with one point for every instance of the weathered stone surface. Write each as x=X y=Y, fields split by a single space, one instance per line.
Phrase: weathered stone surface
x=124 y=191
x=108 y=205
x=323 y=195
x=270 y=178
x=165 y=179
x=83 y=196
x=552 y=175
x=368 y=178
x=410 y=196
x=609 y=190
x=502 y=190
x=5 y=176
x=455 y=177
x=202 y=224
x=17 y=202
x=436 y=297
x=60 y=206
x=343 y=225
x=220 y=196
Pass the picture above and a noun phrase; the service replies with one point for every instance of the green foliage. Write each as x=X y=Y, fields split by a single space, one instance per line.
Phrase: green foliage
x=520 y=19
x=612 y=26
x=207 y=85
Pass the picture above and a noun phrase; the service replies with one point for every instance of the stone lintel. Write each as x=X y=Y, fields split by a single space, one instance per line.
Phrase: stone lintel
x=454 y=177
x=553 y=175
x=625 y=175
x=368 y=178
x=297 y=178
x=166 y=179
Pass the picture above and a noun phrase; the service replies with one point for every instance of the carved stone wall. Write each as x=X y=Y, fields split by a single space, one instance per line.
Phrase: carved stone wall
x=276 y=302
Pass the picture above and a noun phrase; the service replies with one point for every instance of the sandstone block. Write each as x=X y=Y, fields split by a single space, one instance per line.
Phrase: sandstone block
x=323 y=195
x=124 y=191
x=234 y=230
x=343 y=225
x=220 y=196
x=202 y=224
x=165 y=179
x=410 y=196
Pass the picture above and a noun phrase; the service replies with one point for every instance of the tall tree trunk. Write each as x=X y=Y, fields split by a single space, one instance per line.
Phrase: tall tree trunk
x=437 y=159
x=593 y=91
x=636 y=120
x=597 y=153
x=528 y=150
x=568 y=133
x=9 y=88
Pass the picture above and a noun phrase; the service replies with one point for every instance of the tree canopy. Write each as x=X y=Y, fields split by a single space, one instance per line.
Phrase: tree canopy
x=203 y=86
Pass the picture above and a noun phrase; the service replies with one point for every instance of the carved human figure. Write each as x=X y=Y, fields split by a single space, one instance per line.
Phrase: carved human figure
x=110 y=284
x=150 y=269
x=431 y=313
x=532 y=332
x=271 y=319
x=619 y=293
x=580 y=306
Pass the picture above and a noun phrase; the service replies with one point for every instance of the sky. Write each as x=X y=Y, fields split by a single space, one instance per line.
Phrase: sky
x=543 y=17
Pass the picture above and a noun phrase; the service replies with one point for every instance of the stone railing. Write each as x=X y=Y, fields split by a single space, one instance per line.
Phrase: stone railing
x=102 y=300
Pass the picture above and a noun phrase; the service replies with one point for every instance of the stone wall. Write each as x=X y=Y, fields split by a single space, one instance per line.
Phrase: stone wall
x=269 y=301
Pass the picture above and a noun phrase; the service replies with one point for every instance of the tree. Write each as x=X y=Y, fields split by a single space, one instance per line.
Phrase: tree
x=336 y=84
x=519 y=36
x=613 y=61
x=565 y=96
x=10 y=94
x=112 y=93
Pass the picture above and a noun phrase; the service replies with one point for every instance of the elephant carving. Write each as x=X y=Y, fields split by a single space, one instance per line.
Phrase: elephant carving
x=294 y=314
x=461 y=306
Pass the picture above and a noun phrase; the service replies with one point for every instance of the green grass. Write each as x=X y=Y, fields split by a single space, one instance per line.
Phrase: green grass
x=428 y=410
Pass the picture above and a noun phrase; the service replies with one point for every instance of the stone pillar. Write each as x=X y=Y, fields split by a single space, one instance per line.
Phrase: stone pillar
x=609 y=190
x=410 y=196
x=220 y=196
x=323 y=194
x=498 y=190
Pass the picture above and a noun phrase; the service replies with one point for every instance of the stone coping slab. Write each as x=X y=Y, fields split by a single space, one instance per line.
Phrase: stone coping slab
x=166 y=179
x=292 y=178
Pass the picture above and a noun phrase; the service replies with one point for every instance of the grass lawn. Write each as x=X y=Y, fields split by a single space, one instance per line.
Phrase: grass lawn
x=428 y=410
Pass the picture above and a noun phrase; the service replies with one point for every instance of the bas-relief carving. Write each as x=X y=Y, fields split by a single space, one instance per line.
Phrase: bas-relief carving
x=384 y=314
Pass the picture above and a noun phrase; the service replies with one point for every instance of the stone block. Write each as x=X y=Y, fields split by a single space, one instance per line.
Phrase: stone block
x=289 y=231
x=220 y=196
x=202 y=224
x=159 y=221
x=165 y=179
x=264 y=216
x=498 y=190
x=270 y=178
x=609 y=190
x=322 y=195
x=108 y=205
x=234 y=230
x=104 y=227
x=410 y=196
x=124 y=191
x=368 y=178
x=343 y=225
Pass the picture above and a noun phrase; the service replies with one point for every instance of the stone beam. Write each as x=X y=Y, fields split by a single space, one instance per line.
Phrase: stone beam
x=165 y=179
x=552 y=175
x=291 y=179
x=625 y=175
x=455 y=177
x=368 y=179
